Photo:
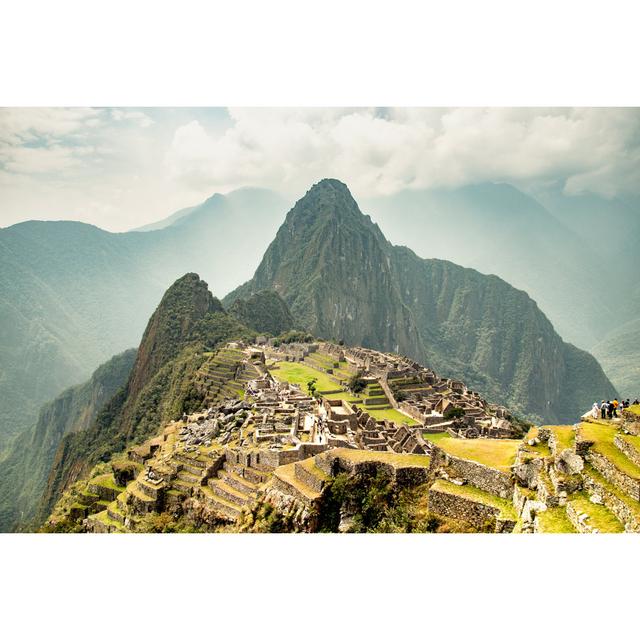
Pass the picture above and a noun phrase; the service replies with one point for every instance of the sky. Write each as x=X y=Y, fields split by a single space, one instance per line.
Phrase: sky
x=120 y=168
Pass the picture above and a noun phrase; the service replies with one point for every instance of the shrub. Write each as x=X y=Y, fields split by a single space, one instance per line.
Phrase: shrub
x=452 y=412
x=357 y=383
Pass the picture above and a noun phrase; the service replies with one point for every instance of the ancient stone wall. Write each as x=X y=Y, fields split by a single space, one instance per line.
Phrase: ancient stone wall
x=628 y=449
x=630 y=486
x=485 y=478
x=475 y=513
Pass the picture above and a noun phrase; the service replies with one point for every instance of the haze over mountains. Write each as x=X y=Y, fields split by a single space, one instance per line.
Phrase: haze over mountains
x=91 y=293
x=575 y=256
x=73 y=295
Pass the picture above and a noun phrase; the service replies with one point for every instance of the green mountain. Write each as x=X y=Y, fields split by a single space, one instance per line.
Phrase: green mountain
x=344 y=281
x=265 y=312
x=72 y=295
x=25 y=469
x=187 y=324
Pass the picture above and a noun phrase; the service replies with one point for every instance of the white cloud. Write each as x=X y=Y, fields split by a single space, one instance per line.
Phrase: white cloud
x=383 y=151
x=120 y=168
x=138 y=116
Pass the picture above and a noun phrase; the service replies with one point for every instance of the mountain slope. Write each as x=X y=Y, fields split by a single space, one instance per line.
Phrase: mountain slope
x=24 y=471
x=187 y=323
x=343 y=280
x=265 y=312
x=498 y=229
x=619 y=354
x=72 y=295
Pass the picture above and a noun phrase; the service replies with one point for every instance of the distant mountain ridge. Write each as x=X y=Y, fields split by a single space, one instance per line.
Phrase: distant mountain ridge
x=344 y=281
x=72 y=295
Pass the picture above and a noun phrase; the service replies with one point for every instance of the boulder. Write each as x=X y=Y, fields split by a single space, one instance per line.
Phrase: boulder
x=569 y=462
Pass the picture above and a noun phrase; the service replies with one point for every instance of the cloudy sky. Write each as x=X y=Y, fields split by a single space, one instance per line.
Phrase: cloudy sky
x=121 y=168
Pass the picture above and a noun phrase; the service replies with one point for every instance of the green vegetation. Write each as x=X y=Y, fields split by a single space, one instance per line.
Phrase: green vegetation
x=599 y=516
x=356 y=383
x=293 y=336
x=635 y=409
x=554 y=520
x=451 y=412
x=390 y=414
x=602 y=437
x=632 y=505
x=395 y=459
x=435 y=437
x=498 y=454
x=265 y=312
x=26 y=467
x=378 y=506
x=564 y=435
x=300 y=374
x=541 y=449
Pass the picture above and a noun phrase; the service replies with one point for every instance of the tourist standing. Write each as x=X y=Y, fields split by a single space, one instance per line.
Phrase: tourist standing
x=595 y=411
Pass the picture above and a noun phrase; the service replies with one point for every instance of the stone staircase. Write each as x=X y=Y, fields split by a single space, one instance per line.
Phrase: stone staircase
x=235 y=487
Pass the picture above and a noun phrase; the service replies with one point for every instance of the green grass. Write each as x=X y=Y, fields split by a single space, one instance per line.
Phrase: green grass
x=396 y=459
x=435 y=437
x=599 y=516
x=564 y=435
x=470 y=492
x=390 y=414
x=602 y=437
x=299 y=373
x=498 y=454
x=554 y=520
x=106 y=480
x=541 y=449
x=342 y=395
x=635 y=409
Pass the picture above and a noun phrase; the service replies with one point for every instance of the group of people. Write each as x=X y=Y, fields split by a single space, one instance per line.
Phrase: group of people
x=609 y=408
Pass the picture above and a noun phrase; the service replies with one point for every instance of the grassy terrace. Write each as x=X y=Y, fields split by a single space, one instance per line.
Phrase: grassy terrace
x=564 y=434
x=555 y=520
x=634 y=408
x=602 y=436
x=395 y=459
x=390 y=414
x=541 y=449
x=299 y=373
x=106 y=480
x=498 y=454
x=287 y=473
x=477 y=495
x=435 y=437
x=599 y=516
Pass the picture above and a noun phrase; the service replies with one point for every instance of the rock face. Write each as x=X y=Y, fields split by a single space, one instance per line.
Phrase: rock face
x=344 y=281
x=24 y=471
x=265 y=311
